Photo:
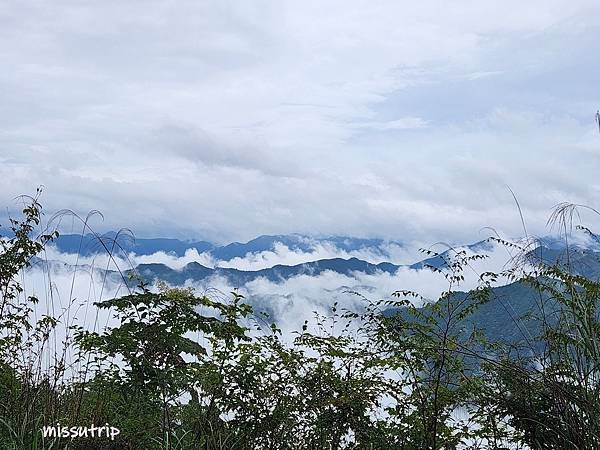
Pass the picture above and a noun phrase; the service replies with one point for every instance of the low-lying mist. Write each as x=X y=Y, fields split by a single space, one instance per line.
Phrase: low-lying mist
x=66 y=282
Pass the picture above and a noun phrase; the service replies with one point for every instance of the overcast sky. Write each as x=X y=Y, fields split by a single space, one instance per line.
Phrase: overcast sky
x=224 y=120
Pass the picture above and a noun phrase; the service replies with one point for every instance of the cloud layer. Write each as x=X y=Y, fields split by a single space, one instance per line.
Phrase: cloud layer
x=288 y=302
x=227 y=120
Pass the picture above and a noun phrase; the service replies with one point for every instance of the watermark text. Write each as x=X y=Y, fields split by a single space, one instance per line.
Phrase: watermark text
x=59 y=431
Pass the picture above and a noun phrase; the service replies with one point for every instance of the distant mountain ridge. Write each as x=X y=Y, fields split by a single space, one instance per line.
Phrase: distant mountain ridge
x=550 y=250
x=197 y=272
x=583 y=262
x=89 y=244
x=509 y=315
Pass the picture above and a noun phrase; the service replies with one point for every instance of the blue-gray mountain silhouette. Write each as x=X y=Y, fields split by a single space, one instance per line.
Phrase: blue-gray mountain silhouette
x=197 y=272
x=89 y=244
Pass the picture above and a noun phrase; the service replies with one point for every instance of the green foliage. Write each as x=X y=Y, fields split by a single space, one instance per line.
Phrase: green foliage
x=16 y=251
x=555 y=400
x=27 y=394
x=182 y=371
x=151 y=338
x=436 y=357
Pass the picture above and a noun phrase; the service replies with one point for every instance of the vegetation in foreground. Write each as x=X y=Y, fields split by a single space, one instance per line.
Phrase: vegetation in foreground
x=182 y=371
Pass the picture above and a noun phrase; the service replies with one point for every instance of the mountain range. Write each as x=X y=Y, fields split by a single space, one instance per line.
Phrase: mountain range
x=502 y=317
x=549 y=250
x=89 y=244
x=196 y=272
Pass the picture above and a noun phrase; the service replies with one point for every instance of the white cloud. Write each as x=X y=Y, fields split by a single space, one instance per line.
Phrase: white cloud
x=291 y=301
x=405 y=123
x=281 y=254
x=225 y=121
x=130 y=260
x=295 y=300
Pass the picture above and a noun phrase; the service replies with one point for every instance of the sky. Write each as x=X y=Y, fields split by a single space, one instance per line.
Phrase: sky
x=225 y=120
